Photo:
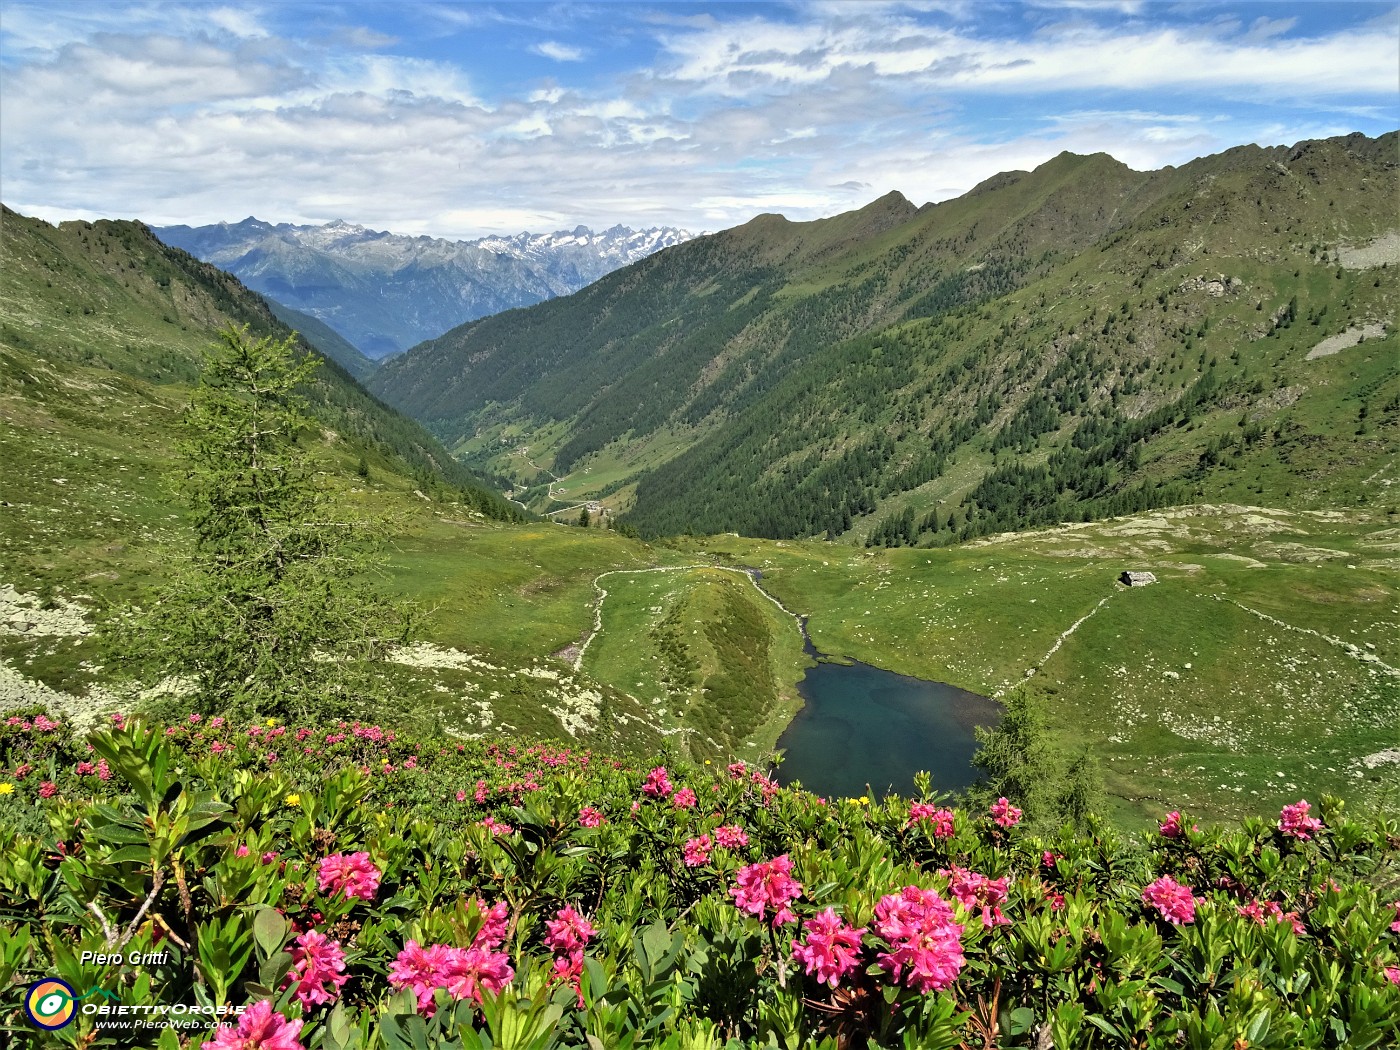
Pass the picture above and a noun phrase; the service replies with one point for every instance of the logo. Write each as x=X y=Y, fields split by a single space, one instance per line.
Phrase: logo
x=50 y=1004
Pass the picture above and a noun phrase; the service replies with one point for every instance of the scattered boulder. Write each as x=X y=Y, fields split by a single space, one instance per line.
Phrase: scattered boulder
x=1130 y=578
x=1216 y=287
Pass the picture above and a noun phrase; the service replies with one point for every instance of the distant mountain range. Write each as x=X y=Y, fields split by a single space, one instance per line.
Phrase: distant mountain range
x=384 y=292
x=1067 y=343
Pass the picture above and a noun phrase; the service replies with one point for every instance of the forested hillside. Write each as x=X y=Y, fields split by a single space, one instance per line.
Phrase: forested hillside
x=1068 y=343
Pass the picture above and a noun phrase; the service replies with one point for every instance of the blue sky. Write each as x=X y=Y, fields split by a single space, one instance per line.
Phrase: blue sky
x=457 y=119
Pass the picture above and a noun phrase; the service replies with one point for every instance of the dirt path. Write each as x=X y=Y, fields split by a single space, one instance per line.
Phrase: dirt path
x=576 y=653
x=523 y=452
x=1356 y=652
x=1034 y=669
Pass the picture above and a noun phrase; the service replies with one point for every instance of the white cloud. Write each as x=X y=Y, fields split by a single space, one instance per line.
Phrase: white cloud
x=235 y=21
x=736 y=57
x=180 y=117
x=557 y=51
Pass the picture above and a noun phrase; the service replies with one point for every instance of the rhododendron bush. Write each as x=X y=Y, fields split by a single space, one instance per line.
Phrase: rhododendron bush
x=353 y=888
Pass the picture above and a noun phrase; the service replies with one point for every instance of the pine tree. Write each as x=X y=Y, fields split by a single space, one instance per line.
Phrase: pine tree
x=270 y=612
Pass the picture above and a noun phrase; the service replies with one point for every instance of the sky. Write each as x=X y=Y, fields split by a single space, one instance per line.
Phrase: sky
x=464 y=119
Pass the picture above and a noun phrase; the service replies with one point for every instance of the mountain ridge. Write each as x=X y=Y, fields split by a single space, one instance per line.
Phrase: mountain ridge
x=383 y=291
x=733 y=352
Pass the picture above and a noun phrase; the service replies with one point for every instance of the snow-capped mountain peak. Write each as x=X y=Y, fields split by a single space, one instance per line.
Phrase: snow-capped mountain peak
x=385 y=291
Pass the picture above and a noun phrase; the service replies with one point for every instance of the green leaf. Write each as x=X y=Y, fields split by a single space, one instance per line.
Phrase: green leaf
x=1099 y=1022
x=1259 y=1027
x=1021 y=1019
x=270 y=930
x=127 y=854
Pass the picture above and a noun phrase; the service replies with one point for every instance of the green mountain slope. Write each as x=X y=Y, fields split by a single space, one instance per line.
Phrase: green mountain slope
x=1059 y=344
x=101 y=332
x=326 y=340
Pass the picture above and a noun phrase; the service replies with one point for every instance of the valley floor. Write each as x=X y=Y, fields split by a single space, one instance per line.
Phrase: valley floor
x=1261 y=666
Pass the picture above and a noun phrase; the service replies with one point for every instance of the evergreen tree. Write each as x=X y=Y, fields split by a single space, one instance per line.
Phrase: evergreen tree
x=1081 y=790
x=1018 y=759
x=270 y=613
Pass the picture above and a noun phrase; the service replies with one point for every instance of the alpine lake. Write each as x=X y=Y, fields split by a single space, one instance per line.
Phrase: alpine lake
x=866 y=731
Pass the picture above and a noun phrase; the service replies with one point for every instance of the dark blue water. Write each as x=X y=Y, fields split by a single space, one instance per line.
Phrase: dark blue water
x=864 y=726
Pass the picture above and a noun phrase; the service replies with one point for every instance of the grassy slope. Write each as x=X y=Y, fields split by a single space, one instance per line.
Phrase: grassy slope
x=1186 y=689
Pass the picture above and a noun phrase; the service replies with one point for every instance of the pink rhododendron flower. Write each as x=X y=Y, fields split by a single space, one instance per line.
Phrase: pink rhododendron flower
x=1005 y=814
x=1171 y=827
x=48 y=789
x=259 y=1028
x=940 y=820
x=589 y=817
x=658 y=784
x=832 y=949
x=974 y=890
x=462 y=971
x=480 y=794
x=468 y=970
x=767 y=785
x=1174 y=901
x=684 y=798
x=697 y=851
x=419 y=969
x=242 y=850
x=1395 y=926
x=925 y=943
x=354 y=873
x=318 y=968
x=1260 y=912
x=731 y=836
x=1294 y=821
x=769 y=884
x=495 y=923
x=568 y=932
x=496 y=827
x=737 y=770
x=1392 y=974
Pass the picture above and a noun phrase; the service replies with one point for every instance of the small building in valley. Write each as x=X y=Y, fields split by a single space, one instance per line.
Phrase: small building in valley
x=1136 y=579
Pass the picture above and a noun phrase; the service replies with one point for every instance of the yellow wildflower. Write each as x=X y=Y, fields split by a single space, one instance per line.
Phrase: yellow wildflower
x=7 y=788
x=292 y=800
x=272 y=721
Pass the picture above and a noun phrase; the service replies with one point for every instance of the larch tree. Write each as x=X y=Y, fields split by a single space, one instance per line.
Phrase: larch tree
x=273 y=610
